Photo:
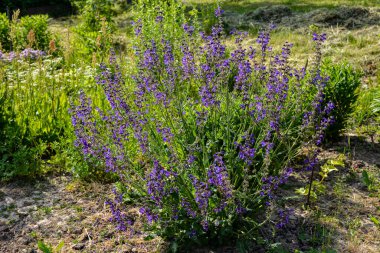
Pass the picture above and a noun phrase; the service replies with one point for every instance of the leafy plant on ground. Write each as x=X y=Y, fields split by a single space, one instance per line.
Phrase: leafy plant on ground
x=366 y=113
x=369 y=181
x=375 y=221
x=316 y=187
x=47 y=248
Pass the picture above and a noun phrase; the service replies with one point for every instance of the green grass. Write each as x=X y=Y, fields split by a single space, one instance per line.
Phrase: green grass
x=242 y=6
x=358 y=46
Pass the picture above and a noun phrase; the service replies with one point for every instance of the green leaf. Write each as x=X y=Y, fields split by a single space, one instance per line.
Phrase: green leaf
x=44 y=248
x=366 y=179
x=302 y=191
x=319 y=187
x=375 y=221
x=59 y=246
x=148 y=237
x=337 y=162
x=327 y=168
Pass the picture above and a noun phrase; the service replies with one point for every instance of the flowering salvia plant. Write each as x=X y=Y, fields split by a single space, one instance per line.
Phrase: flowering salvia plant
x=203 y=135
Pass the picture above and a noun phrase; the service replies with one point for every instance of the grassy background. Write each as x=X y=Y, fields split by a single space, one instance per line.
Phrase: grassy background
x=359 y=47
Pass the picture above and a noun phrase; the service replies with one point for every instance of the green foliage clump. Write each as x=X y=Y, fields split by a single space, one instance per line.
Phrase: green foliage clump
x=92 y=10
x=4 y=31
x=29 y=31
x=39 y=25
x=93 y=33
x=48 y=248
x=171 y=12
x=19 y=156
x=366 y=116
x=341 y=89
x=363 y=112
x=35 y=113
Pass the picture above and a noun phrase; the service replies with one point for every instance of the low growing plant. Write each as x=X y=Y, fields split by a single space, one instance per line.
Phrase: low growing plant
x=48 y=248
x=369 y=181
x=316 y=187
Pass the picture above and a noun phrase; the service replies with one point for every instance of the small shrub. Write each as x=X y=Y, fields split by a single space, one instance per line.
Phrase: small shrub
x=29 y=31
x=92 y=10
x=201 y=136
x=39 y=25
x=341 y=89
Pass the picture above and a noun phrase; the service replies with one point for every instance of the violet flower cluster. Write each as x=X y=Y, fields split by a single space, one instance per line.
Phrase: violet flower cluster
x=119 y=217
x=26 y=54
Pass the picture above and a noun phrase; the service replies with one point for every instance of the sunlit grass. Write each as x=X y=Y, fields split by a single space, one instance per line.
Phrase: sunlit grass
x=300 y=5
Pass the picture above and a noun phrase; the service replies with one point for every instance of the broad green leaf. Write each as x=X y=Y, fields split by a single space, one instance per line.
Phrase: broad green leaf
x=337 y=162
x=366 y=179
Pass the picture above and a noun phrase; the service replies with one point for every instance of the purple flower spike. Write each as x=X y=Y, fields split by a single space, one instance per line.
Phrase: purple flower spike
x=246 y=150
x=319 y=37
x=218 y=12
